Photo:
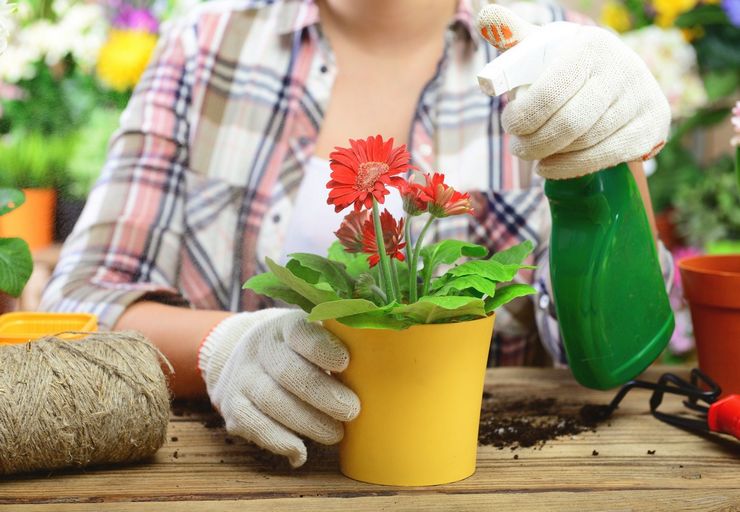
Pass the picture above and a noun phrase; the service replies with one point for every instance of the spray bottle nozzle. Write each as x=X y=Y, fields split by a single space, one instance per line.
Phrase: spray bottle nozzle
x=527 y=48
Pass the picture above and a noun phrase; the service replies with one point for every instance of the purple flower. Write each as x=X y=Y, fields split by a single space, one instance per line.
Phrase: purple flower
x=732 y=9
x=131 y=18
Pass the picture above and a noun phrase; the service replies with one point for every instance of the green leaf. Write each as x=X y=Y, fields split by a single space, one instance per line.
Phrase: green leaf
x=448 y=252
x=702 y=15
x=506 y=294
x=721 y=83
x=268 y=284
x=376 y=320
x=305 y=273
x=332 y=272
x=429 y=310
x=16 y=265
x=341 y=308
x=313 y=292
x=355 y=264
x=514 y=254
x=10 y=199
x=489 y=269
x=478 y=283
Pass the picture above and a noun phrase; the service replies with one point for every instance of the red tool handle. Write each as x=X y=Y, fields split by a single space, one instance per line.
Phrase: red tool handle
x=724 y=416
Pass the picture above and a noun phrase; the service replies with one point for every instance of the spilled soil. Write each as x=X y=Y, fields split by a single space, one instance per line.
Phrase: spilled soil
x=531 y=423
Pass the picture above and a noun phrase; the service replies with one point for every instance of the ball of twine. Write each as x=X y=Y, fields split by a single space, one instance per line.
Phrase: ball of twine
x=99 y=400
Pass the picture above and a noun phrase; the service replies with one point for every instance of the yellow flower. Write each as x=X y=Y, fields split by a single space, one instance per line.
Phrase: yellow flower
x=689 y=34
x=616 y=16
x=668 y=10
x=124 y=57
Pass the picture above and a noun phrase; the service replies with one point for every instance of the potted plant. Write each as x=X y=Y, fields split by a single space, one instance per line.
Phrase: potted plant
x=416 y=319
x=15 y=257
x=711 y=283
x=34 y=163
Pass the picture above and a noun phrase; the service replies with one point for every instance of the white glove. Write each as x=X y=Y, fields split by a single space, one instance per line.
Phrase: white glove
x=594 y=105
x=266 y=372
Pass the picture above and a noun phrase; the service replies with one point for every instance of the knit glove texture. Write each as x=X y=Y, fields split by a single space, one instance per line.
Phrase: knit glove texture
x=594 y=106
x=267 y=373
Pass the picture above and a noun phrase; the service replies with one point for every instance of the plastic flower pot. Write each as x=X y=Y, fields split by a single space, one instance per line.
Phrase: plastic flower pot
x=712 y=287
x=420 y=391
x=34 y=220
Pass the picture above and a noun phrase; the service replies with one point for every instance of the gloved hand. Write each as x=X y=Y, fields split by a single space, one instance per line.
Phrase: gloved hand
x=594 y=105
x=265 y=372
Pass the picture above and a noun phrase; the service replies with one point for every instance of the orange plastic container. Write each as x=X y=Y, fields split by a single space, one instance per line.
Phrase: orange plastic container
x=24 y=327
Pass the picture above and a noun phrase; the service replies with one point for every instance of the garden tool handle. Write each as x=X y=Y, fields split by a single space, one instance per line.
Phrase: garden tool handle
x=724 y=416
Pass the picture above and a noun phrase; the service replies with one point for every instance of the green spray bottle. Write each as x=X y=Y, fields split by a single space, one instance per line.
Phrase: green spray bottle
x=612 y=306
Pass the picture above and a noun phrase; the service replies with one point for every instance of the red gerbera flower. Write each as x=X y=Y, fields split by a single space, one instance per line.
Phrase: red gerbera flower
x=442 y=199
x=350 y=232
x=413 y=204
x=392 y=237
x=364 y=170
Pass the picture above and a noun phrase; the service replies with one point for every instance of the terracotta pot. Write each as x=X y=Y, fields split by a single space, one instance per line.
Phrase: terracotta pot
x=7 y=303
x=712 y=287
x=421 y=390
x=667 y=231
x=34 y=220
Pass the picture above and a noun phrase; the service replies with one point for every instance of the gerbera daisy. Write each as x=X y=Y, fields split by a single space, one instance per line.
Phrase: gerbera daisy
x=413 y=204
x=442 y=199
x=364 y=170
x=392 y=237
x=350 y=232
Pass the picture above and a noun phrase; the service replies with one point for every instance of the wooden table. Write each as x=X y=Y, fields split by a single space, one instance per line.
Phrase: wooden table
x=201 y=468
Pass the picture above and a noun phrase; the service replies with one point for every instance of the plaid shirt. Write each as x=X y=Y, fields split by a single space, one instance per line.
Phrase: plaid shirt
x=201 y=177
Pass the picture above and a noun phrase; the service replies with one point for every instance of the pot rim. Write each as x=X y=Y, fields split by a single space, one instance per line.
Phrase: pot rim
x=696 y=264
x=491 y=315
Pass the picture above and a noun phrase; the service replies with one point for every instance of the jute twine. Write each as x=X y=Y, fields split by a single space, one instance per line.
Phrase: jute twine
x=99 y=400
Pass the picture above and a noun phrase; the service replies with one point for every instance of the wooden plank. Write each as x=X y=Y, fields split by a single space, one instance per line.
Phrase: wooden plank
x=223 y=473
x=655 y=501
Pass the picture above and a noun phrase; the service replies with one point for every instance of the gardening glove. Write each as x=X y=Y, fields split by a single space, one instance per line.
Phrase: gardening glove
x=267 y=374
x=594 y=105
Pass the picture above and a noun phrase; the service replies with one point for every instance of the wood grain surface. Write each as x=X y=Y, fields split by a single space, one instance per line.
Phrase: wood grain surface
x=201 y=468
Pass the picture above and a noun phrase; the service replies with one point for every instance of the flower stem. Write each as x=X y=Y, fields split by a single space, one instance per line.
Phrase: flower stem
x=395 y=282
x=415 y=262
x=385 y=265
x=409 y=259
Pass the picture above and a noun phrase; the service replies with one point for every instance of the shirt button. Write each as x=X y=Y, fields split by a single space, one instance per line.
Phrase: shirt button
x=276 y=218
x=323 y=69
x=304 y=141
x=425 y=150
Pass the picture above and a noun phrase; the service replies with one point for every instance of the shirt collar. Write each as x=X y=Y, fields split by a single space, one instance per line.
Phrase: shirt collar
x=464 y=18
x=296 y=15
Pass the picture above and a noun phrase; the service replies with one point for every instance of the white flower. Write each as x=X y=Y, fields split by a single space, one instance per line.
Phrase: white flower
x=672 y=61
x=17 y=63
x=5 y=23
x=80 y=32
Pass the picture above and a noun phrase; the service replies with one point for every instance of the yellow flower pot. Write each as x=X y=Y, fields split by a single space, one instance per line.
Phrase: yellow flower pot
x=420 y=391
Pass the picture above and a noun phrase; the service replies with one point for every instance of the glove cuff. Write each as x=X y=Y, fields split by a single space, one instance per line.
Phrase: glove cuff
x=217 y=346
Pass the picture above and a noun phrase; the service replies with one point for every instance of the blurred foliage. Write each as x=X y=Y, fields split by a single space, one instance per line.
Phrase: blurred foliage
x=33 y=160
x=708 y=208
x=57 y=105
x=89 y=153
